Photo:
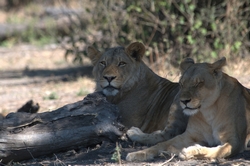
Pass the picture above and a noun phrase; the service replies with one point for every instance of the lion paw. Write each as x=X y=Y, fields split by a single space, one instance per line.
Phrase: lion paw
x=139 y=156
x=183 y=155
x=135 y=134
x=189 y=152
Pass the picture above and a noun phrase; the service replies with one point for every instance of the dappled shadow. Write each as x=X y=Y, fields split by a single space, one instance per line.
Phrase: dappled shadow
x=44 y=75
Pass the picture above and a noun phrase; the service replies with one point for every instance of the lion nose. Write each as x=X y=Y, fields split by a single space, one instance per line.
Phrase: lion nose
x=109 y=78
x=185 y=101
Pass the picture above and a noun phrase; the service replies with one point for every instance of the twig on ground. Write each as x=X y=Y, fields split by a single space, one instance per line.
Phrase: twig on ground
x=172 y=156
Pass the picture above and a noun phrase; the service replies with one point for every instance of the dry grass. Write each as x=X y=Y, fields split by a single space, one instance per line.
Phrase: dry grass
x=16 y=88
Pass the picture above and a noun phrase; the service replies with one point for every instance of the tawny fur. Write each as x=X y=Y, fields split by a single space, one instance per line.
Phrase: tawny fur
x=143 y=98
x=219 y=123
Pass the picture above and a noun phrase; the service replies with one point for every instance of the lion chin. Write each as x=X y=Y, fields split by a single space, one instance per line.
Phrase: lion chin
x=110 y=91
x=190 y=112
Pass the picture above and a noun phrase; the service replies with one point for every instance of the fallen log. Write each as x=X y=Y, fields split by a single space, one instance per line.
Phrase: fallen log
x=81 y=124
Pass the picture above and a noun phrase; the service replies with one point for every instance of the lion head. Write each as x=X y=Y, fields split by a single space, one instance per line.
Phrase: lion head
x=199 y=84
x=116 y=69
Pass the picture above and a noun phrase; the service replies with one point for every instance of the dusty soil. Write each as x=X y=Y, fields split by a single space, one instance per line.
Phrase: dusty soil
x=45 y=76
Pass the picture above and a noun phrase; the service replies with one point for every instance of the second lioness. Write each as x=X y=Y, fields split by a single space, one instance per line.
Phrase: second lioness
x=144 y=98
x=219 y=110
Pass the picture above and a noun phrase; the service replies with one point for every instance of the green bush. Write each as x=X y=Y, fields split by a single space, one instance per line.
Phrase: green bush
x=171 y=30
x=28 y=24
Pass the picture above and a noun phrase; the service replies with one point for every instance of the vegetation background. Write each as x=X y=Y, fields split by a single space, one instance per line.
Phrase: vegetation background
x=171 y=30
x=43 y=43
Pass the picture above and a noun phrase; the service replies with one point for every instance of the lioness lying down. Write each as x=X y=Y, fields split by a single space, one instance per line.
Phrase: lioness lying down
x=218 y=106
x=143 y=98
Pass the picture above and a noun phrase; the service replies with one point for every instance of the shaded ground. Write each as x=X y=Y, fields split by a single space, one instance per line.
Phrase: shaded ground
x=42 y=74
x=104 y=155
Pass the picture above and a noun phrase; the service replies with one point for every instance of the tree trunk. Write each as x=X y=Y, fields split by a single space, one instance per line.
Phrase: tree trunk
x=84 y=123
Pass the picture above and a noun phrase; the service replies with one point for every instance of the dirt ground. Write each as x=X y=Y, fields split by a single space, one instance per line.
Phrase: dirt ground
x=45 y=76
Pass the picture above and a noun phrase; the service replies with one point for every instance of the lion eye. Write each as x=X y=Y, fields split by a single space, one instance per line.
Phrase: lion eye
x=121 y=64
x=103 y=63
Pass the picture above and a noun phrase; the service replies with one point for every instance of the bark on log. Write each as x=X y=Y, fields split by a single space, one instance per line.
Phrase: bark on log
x=84 y=123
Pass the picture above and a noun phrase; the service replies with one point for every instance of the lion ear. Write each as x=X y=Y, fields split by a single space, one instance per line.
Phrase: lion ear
x=185 y=64
x=216 y=66
x=93 y=54
x=219 y=64
x=136 y=50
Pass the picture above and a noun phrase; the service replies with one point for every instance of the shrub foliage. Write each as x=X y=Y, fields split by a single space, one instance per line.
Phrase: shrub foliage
x=171 y=29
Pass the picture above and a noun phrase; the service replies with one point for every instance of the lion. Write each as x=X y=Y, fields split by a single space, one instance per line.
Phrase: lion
x=219 y=122
x=143 y=98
